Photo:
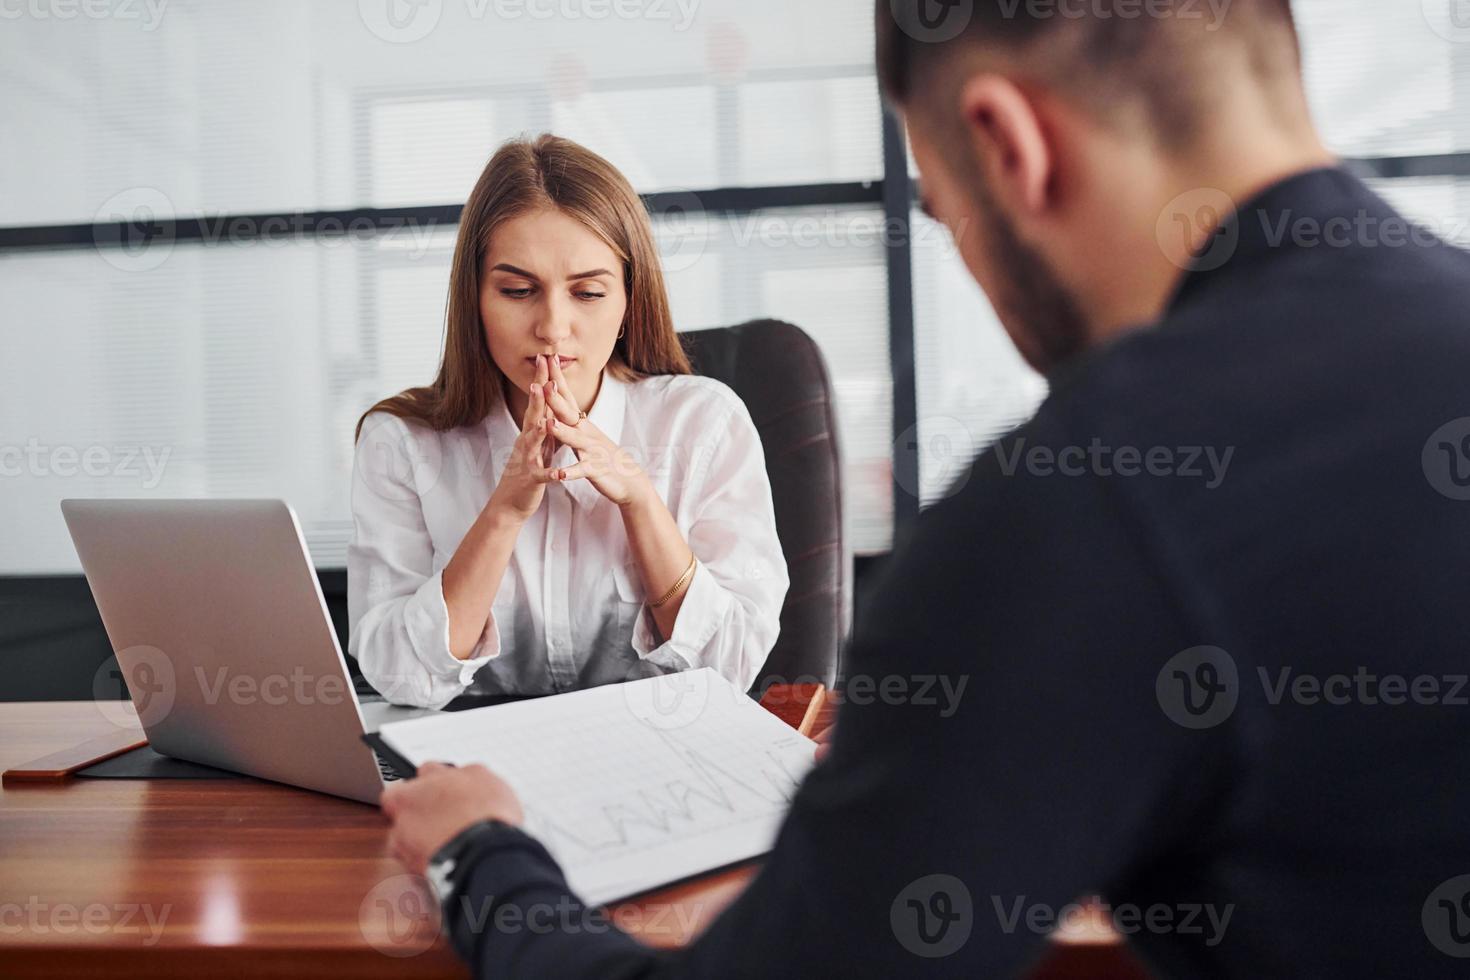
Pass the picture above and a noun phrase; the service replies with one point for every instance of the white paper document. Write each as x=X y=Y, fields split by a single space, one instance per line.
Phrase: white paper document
x=631 y=786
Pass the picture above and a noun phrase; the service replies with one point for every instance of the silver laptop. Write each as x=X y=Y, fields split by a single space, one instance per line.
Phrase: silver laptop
x=223 y=638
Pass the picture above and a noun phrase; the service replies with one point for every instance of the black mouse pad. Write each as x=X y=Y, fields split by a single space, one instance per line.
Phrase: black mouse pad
x=144 y=763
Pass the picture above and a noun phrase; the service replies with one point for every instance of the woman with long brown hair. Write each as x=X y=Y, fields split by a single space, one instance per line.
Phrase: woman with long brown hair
x=565 y=505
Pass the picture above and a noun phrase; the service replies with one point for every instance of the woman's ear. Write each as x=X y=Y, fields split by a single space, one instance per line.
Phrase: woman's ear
x=1009 y=139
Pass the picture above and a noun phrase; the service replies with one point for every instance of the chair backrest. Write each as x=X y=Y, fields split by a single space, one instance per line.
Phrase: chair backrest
x=779 y=372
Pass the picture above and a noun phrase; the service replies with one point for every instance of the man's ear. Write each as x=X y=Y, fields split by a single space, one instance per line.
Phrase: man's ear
x=1009 y=141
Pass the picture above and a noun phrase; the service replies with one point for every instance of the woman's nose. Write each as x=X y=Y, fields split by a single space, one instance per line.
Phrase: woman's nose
x=554 y=324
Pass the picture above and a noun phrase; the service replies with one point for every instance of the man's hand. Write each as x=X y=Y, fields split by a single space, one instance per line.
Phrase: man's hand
x=429 y=810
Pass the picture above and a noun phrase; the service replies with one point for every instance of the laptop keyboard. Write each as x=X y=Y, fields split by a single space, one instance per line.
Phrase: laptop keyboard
x=388 y=772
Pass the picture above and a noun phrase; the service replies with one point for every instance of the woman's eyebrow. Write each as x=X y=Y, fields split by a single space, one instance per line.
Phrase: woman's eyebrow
x=513 y=270
x=507 y=267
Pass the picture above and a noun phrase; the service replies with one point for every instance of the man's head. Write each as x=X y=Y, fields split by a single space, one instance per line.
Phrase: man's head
x=1052 y=134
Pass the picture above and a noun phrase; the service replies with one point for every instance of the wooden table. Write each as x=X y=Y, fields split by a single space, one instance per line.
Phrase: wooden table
x=185 y=878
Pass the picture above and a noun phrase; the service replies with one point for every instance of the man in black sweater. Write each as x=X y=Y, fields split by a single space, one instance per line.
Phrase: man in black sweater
x=1209 y=604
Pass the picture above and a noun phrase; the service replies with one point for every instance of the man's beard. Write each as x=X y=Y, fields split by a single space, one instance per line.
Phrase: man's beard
x=1033 y=303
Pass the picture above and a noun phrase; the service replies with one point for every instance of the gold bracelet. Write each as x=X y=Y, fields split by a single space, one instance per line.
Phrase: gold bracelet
x=683 y=580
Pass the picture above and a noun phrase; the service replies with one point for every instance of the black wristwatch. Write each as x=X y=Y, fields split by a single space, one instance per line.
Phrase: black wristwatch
x=449 y=858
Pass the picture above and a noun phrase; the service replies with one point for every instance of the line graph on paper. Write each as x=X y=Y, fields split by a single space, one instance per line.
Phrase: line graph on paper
x=623 y=796
x=688 y=790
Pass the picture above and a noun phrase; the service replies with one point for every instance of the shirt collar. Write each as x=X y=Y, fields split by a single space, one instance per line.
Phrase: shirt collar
x=607 y=414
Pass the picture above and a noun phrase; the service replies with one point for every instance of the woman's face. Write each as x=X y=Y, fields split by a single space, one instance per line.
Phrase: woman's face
x=551 y=286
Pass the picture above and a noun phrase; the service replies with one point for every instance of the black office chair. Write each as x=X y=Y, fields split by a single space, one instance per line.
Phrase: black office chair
x=779 y=372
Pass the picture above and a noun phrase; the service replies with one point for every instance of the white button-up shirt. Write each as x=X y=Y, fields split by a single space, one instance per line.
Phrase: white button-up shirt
x=570 y=612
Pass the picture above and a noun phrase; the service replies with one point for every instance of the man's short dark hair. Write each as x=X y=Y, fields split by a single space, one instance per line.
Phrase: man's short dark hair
x=1153 y=53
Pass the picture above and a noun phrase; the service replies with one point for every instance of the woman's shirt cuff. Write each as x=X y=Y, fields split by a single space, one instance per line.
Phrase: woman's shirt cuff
x=699 y=617
x=429 y=618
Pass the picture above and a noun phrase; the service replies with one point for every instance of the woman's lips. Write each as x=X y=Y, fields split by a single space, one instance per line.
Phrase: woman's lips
x=561 y=361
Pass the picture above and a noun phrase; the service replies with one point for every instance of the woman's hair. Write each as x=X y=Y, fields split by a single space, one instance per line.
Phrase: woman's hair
x=527 y=175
